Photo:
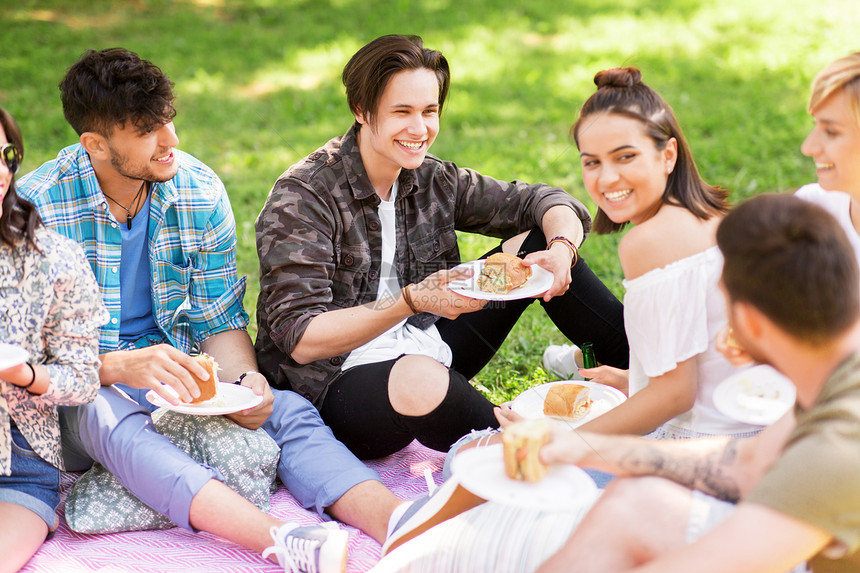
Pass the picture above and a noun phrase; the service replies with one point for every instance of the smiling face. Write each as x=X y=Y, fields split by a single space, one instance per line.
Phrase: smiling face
x=405 y=125
x=622 y=169
x=834 y=144
x=144 y=157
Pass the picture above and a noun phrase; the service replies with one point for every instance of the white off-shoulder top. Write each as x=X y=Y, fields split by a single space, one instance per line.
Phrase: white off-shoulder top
x=672 y=314
x=838 y=204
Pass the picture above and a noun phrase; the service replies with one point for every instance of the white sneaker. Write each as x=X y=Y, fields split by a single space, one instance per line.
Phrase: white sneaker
x=563 y=361
x=309 y=548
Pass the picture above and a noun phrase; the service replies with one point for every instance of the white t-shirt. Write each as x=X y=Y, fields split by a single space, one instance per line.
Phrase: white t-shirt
x=672 y=314
x=402 y=338
x=837 y=204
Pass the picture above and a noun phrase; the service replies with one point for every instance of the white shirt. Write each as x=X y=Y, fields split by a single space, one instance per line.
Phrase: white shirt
x=672 y=314
x=837 y=204
x=402 y=338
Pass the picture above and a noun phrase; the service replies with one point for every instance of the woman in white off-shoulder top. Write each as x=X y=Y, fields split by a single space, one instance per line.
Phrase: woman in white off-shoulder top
x=834 y=144
x=638 y=168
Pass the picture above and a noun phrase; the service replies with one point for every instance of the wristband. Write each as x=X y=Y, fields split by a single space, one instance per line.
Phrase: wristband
x=243 y=374
x=408 y=298
x=32 y=378
x=569 y=244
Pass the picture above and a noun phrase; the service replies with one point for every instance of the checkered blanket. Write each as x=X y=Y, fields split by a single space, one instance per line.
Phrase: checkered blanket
x=181 y=551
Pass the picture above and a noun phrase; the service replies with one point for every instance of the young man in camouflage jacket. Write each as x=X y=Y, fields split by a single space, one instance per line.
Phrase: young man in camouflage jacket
x=356 y=245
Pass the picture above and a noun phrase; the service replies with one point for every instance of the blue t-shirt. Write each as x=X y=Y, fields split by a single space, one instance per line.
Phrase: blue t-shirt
x=136 y=318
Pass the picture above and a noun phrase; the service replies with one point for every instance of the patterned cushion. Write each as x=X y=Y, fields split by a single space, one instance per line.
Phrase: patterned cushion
x=247 y=459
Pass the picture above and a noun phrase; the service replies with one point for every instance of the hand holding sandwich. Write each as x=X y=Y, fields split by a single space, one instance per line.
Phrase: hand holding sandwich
x=566 y=446
x=153 y=368
x=560 y=449
x=729 y=347
x=561 y=446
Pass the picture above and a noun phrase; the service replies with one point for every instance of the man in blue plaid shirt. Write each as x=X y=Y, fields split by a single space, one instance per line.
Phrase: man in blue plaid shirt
x=159 y=233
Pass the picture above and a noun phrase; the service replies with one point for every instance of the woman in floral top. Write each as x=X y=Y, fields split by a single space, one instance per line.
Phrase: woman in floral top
x=50 y=310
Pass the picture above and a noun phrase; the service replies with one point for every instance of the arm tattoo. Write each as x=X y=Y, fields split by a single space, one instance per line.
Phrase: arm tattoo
x=710 y=473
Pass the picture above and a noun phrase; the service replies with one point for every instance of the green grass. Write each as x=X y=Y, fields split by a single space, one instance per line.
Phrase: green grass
x=258 y=85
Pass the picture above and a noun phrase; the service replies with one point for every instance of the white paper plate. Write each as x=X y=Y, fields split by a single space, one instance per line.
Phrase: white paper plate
x=228 y=398
x=759 y=395
x=537 y=284
x=11 y=355
x=530 y=402
x=482 y=472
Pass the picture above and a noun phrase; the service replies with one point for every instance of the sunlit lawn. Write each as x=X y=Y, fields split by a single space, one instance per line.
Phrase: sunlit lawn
x=258 y=87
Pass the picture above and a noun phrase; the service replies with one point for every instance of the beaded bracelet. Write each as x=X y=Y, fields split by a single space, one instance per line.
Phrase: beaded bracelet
x=569 y=244
x=407 y=296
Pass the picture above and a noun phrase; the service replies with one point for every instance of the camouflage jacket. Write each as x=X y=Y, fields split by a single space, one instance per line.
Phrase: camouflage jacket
x=319 y=243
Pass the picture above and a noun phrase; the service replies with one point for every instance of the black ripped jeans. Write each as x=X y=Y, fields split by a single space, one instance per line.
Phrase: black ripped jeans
x=587 y=312
x=357 y=408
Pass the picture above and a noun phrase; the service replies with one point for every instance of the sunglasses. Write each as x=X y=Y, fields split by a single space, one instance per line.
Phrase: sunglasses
x=11 y=157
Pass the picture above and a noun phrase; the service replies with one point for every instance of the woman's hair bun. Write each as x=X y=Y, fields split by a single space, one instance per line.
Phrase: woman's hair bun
x=618 y=78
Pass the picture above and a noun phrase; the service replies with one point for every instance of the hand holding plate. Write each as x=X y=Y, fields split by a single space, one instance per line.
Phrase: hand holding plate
x=557 y=261
x=506 y=416
x=433 y=295
x=608 y=375
x=253 y=418
x=536 y=285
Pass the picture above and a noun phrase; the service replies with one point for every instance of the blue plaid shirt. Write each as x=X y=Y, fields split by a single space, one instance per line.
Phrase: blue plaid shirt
x=196 y=291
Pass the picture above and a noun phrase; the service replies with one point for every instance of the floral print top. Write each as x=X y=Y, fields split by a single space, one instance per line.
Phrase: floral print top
x=51 y=307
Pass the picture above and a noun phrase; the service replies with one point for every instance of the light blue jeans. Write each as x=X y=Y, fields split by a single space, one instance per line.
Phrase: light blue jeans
x=314 y=466
x=117 y=432
x=34 y=483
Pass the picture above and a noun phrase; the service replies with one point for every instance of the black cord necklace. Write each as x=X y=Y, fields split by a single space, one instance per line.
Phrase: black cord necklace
x=134 y=202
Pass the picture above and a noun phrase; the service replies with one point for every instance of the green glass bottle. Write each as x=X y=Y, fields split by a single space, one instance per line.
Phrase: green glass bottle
x=588 y=358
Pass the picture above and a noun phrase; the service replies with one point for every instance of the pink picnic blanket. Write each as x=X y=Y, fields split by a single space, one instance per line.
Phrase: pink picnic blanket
x=178 y=550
